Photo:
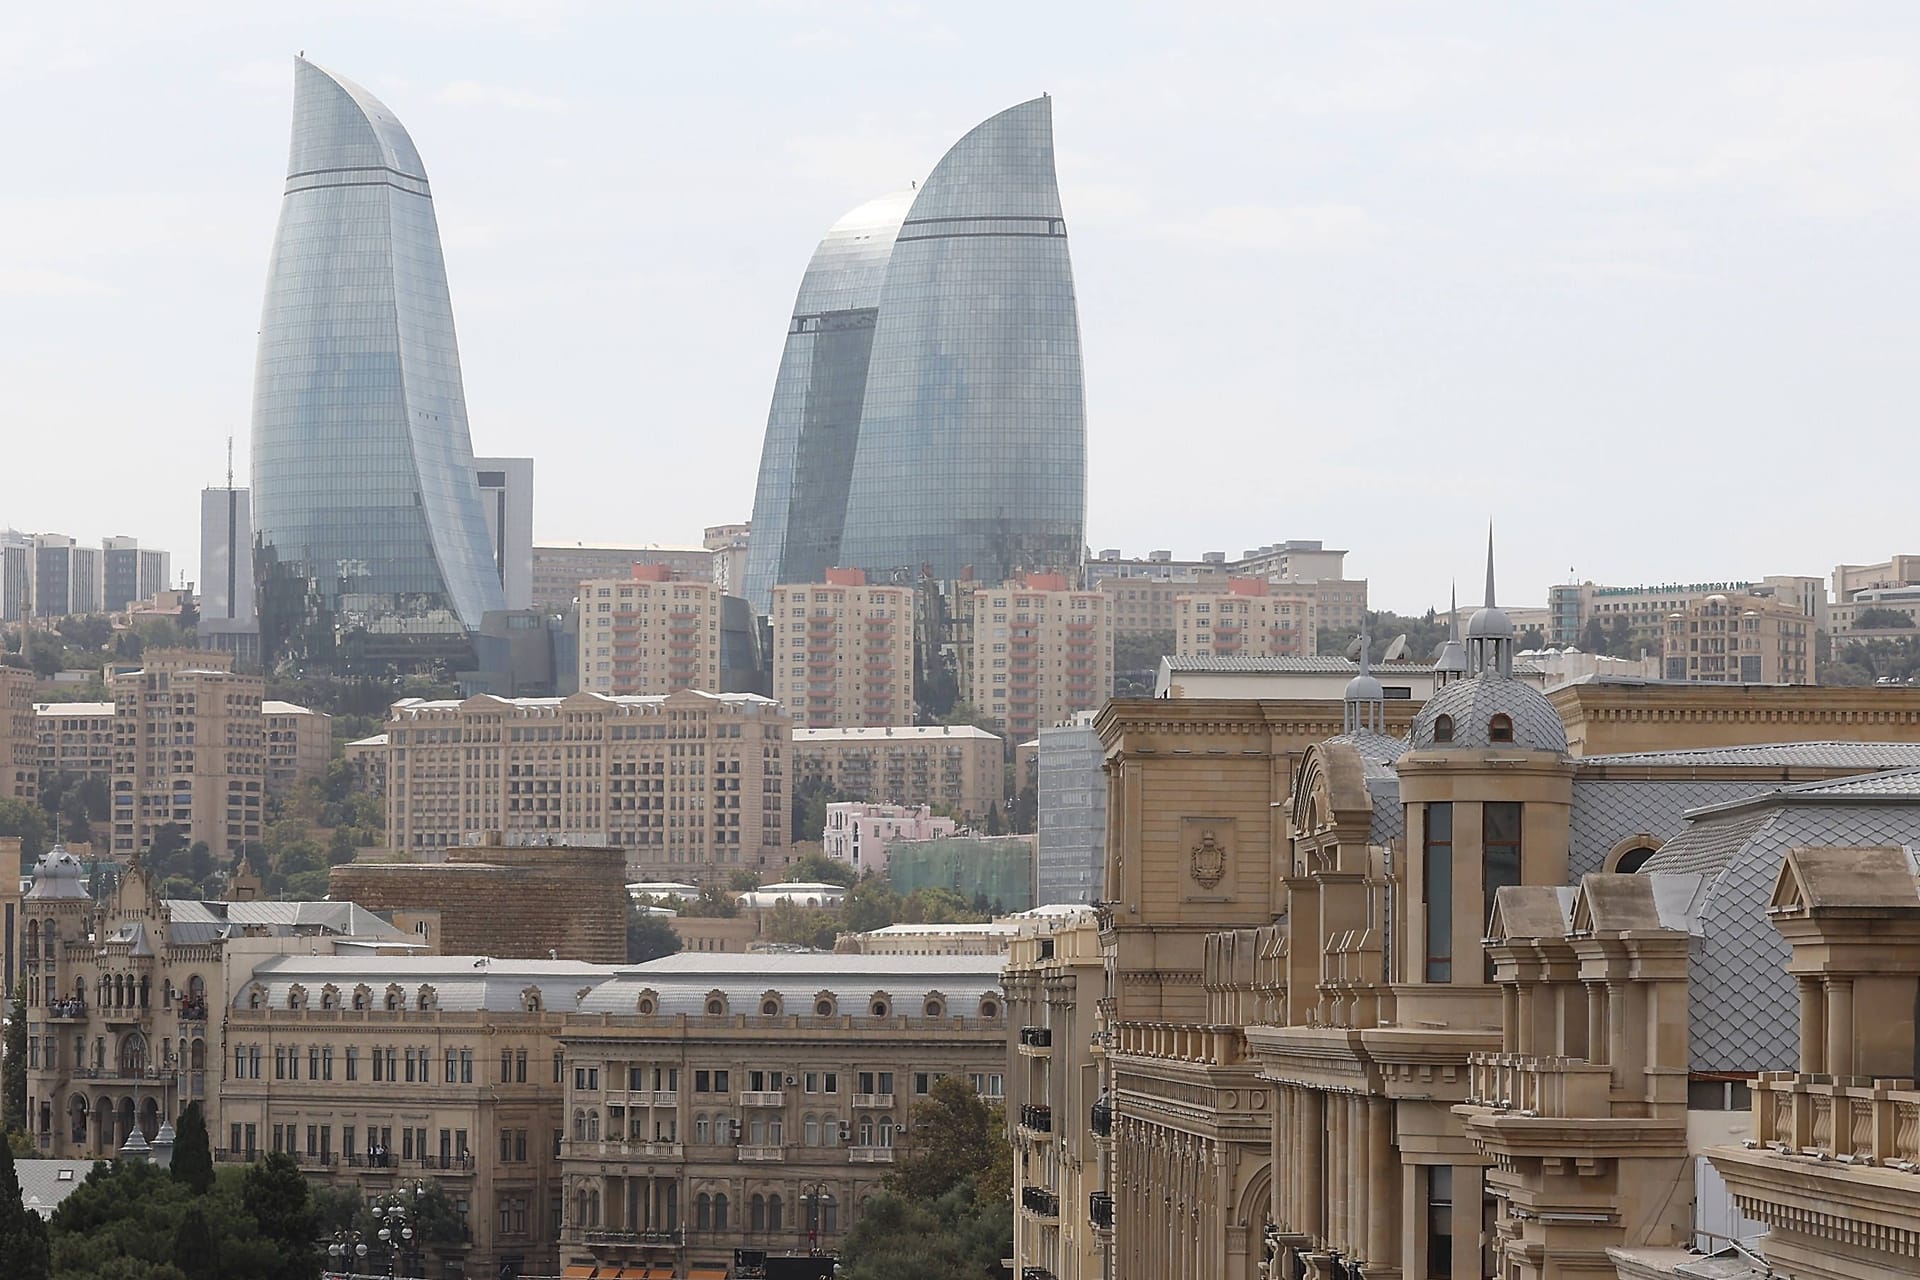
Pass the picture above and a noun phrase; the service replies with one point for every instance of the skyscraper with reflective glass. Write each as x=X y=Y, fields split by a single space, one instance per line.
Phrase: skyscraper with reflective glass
x=363 y=480
x=929 y=411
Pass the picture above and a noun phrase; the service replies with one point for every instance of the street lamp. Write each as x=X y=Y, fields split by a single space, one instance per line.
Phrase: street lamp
x=347 y=1251
x=813 y=1193
x=397 y=1232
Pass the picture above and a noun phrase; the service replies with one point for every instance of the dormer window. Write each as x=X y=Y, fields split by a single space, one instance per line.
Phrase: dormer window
x=1500 y=729
x=1443 y=729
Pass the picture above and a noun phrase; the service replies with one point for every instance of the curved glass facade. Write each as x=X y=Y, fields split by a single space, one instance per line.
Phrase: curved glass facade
x=970 y=446
x=814 y=425
x=363 y=481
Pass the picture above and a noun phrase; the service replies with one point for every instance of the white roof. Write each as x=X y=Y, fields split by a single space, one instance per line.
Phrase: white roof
x=922 y=930
x=611 y=699
x=73 y=708
x=274 y=707
x=906 y=732
x=460 y=983
x=681 y=983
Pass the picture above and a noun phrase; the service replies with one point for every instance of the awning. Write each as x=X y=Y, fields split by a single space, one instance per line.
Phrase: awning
x=578 y=1272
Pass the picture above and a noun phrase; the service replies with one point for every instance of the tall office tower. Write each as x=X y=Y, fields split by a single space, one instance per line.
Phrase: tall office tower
x=364 y=500
x=67 y=577
x=16 y=575
x=131 y=573
x=929 y=414
x=506 y=500
x=227 y=618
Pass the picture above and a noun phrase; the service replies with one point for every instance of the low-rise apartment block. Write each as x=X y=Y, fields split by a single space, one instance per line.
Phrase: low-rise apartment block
x=649 y=633
x=858 y=833
x=691 y=785
x=716 y=1102
x=1739 y=639
x=299 y=743
x=1041 y=652
x=843 y=652
x=951 y=766
x=1249 y=618
x=1642 y=611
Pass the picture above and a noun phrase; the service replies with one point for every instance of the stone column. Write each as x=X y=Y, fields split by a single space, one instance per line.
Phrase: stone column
x=1312 y=1176
x=1813 y=1027
x=1380 y=1189
x=1466 y=1220
x=1362 y=1207
x=1839 y=1031
x=1598 y=1051
x=1509 y=1019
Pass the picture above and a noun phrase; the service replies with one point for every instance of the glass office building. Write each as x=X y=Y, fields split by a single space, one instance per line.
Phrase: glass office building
x=363 y=474
x=970 y=447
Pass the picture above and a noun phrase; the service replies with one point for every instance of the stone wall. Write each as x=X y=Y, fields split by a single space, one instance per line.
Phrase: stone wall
x=517 y=903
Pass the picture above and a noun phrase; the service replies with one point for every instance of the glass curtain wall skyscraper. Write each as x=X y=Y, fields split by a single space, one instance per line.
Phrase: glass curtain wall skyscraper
x=968 y=448
x=364 y=500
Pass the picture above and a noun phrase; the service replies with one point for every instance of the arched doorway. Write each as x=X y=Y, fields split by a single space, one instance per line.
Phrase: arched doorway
x=126 y=1122
x=77 y=1119
x=103 y=1124
x=133 y=1055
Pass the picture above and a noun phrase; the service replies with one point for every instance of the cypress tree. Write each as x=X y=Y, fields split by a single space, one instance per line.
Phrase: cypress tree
x=193 y=1151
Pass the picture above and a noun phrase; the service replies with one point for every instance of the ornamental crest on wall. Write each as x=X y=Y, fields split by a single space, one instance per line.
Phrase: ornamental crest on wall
x=1209 y=860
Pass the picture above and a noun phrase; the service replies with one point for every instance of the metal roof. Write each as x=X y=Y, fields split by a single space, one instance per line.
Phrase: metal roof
x=1473 y=704
x=1318 y=664
x=1842 y=755
x=461 y=984
x=682 y=983
x=902 y=732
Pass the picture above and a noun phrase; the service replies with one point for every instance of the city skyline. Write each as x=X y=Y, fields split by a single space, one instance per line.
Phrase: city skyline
x=1320 y=241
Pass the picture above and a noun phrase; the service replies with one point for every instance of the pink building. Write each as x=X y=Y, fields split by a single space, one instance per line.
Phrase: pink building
x=858 y=833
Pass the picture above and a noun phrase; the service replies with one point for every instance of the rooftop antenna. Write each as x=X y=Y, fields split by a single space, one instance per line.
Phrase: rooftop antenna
x=229 y=459
x=1490 y=564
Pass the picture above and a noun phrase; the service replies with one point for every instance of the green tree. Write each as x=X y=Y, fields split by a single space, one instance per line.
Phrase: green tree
x=818 y=868
x=871 y=904
x=649 y=936
x=23 y=1244
x=799 y=926
x=13 y=1093
x=952 y=1238
x=1593 y=636
x=196 y=1251
x=1882 y=619
x=1023 y=815
x=996 y=826
x=741 y=880
x=275 y=1197
x=954 y=1136
x=193 y=1151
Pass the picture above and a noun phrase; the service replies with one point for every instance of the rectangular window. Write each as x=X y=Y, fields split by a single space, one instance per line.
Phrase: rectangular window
x=1500 y=855
x=506 y=1066
x=313 y=1063
x=720 y=1082
x=326 y=1063
x=253 y=1140
x=379 y=1065
x=922 y=1081
x=1437 y=891
x=520 y=1145
x=832 y=1082
x=466 y=1066
x=1439 y=1180
x=702 y=1082
x=346 y=1142
x=520 y=1067
x=453 y=1070
x=233 y=1138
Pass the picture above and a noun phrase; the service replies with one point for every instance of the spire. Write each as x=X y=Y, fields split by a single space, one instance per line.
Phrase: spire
x=1364 y=644
x=1365 y=707
x=1453 y=611
x=1490 y=601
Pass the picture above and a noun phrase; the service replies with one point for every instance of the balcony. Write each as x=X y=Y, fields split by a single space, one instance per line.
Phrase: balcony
x=761 y=1154
x=1100 y=1210
x=1036 y=1118
x=873 y=1102
x=763 y=1098
x=72 y=1009
x=1540 y=1086
x=1040 y=1201
x=869 y=1155
x=1035 y=1273
x=628 y=1238
x=1100 y=1120
x=1036 y=1042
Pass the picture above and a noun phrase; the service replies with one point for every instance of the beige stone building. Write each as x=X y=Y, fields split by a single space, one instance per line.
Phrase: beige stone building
x=1041 y=652
x=690 y=784
x=843 y=652
x=190 y=750
x=125 y=998
x=1609 y=718
x=649 y=632
x=1318 y=1067
x=74 y=737
x=299 y=744
x=1144 y=606
x=1059 y=1114
x=717 y=1102
x=1249 y=619
x=560 y=568
x=19 y=736
x=1739 y=639
x=959 y=766
x=384 y=1072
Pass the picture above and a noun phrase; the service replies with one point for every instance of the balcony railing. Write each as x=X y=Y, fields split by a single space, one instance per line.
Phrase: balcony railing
x=761 y=1153
x=671 y=1238
x=67 y=1009
x=1540 y=1086
x=1860 y=1124
x=1100 y=1120
x=763 y=1098
x=869 y=1155
x=1036 y=1117
x=873 y=1102
x=1041 y=1201
x=1036 y=1042
x=1100 y=1210
x=620 y=1149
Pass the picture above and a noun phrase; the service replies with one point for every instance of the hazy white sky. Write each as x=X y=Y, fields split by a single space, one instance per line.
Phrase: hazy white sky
x=1636 y=281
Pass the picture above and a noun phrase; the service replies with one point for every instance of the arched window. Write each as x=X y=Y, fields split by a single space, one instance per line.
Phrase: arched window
x=1632 y=860
x=702 y=1131
x=866 y=1131
x=773 y=1212
x=362 y=997
x=810 y=1132
x=395 y=1000
x=593 y=1126
x=716 y=1004
x=720 y=1211
x=329 y=997
x=33 y=939
x=886 y=1131
x=579 y=1126
x=1500 y=728
x=770 y=1006
x=424 y=1000
x=823 y=1006
x=936 y=1007
x=703 y=1212
x=757 y=1213
x=880 y=1006
x=253 y=998
x=989 y=1008
x=1443 y=728
x=827 y=1213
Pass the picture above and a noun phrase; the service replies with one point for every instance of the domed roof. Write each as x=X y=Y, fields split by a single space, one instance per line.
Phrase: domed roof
x=58 y=874
x=1452 y=657
x=1489 y=622
x=1472 y=705
x=1364 y=688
